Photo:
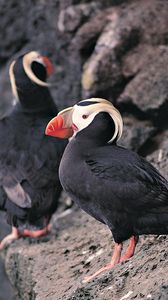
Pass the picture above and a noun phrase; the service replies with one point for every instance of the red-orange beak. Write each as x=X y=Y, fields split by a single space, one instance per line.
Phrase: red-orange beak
x=61 y=125
x=49 y=65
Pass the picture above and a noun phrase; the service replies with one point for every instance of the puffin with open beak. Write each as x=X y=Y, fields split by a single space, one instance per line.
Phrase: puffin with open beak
x=113 y=184
x=29 y=160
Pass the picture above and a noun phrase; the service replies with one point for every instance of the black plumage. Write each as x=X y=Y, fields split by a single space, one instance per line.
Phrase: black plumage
x=113 y=184
x=29 y=160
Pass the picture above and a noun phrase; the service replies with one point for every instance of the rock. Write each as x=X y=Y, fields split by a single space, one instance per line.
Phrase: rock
x=73 y=16
x=6 y=291
x=151 y=86
x=20 y=279
x=159 y=158
x=102 y=69
x=55 y=262
x=126 y=27
x=161 y=293
x=136 y=133
x=134 y=61
x=87 y=35
x=60 y=264
x=12 y=14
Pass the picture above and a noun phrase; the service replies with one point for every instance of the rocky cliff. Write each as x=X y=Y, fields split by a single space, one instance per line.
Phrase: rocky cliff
x=112 y=49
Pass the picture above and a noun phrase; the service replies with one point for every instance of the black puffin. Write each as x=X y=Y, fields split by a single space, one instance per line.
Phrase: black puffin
x=113 y=184
x=29 y=160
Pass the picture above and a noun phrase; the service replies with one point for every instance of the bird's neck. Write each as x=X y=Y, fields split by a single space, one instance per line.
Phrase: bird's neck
x=83 y=147
x=86 y=142
x=36 y=99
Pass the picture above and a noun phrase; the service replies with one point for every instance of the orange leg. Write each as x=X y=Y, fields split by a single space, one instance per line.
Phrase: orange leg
x=115 y=260
x=37 y=233
x=131 y=248
x=14 y=235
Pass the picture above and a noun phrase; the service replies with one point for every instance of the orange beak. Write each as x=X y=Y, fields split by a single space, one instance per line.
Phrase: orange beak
x=56 y=128
x=49 y=65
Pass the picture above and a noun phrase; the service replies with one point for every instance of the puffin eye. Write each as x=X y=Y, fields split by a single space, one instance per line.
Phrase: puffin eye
x=84 y=116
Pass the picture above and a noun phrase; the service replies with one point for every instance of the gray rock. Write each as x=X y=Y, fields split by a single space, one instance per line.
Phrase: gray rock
x=54 y=270
x=12 y=15
x=6 y=290
x=126 y=27
x=136 y=133
x=73 y=16
x=159 y=158
x=151 y=86
x=20 y=279
x=135 y=60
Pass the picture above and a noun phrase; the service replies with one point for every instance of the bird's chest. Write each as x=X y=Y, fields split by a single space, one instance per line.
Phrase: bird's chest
x=75 y=179
x=72 y=175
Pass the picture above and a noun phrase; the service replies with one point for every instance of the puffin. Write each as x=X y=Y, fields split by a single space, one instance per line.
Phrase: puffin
x=114 y=185
x=29 y=160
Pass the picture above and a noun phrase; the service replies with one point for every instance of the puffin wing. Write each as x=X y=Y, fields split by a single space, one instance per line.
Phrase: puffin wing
x=134 y=182
x=32 y=174
x=18 y=196
x=20 y=182
x=16 y=180
x=11 y=208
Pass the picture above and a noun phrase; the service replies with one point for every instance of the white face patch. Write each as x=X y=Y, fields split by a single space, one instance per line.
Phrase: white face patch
x=85 y=111
x=82 y=116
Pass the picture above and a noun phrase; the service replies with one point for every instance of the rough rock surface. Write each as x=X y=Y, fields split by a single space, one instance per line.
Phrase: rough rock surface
x=136 y=133
x=6 y=291
x=55 y=269
x=159 y=157
x=116 y=49
x=151 y=86
x=125 y=28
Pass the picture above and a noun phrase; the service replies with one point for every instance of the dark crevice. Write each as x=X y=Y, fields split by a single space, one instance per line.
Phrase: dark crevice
x=128 y=43
x=159 y=116
x=130 y=108
x=149 y=146
x=88 y=49
x=110 y=93
x=106 y=3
